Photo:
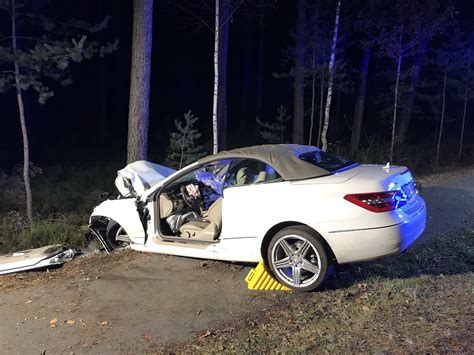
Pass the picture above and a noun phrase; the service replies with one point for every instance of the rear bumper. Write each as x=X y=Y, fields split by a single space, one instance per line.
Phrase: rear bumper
x=368 y=244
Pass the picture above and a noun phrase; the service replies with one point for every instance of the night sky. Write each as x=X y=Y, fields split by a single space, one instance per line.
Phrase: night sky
x=66 y=128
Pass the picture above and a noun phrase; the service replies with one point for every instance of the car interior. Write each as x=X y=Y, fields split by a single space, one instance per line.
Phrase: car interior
x=190 y=207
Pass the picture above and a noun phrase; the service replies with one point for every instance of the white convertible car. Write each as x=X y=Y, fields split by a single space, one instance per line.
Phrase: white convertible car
x=296 y=207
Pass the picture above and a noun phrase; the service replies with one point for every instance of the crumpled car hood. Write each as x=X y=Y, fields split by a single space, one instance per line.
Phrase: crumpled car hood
x=136 y=178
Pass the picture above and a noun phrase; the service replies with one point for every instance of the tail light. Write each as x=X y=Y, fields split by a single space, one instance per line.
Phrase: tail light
x=378 y=201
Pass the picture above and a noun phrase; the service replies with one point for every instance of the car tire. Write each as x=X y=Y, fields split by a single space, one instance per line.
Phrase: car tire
x=113 y=229
x=298 y=259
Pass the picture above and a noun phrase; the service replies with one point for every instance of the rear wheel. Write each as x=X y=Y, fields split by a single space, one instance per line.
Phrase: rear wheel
x=298 y=259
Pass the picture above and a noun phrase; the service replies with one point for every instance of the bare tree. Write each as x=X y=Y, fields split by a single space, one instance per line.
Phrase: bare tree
x=466 y=97
x=215 y=97
x=407 y=103
x=321 y=103
x=261 y=55
x=450 y=61
x=222 y=13
x=443 y=110
x=21 y=110
x=364 y=16
x=140 y=80
x=399 y=34
x=298 y=93
x=317 y=71
x=330 y=81
x=360 y=100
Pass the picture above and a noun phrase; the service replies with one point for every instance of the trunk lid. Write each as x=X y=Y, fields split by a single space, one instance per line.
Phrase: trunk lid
x=385 y=178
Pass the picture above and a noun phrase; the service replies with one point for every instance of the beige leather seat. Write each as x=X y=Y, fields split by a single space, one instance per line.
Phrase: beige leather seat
x=206 y=228
x=243 y=177
x=262 y=177
x=166 y=206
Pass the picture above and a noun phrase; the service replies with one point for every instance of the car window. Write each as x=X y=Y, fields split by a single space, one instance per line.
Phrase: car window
x=212 y=174
x=327 y=161
x=249 y=172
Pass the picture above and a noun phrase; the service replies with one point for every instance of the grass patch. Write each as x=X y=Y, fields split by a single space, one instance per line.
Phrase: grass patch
x=63 y=198
x=417 y=302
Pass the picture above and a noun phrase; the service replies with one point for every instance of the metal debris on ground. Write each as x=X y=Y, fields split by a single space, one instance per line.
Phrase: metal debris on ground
x=45 y=257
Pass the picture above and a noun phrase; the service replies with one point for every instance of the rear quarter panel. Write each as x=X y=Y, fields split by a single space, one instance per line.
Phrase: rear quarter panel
x=251 y=211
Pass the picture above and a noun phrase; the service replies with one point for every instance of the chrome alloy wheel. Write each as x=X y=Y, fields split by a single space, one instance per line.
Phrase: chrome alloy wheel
x=122 y=236
x=296 y=260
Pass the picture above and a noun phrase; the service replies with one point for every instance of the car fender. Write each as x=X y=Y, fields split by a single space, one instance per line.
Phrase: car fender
x=124 y=212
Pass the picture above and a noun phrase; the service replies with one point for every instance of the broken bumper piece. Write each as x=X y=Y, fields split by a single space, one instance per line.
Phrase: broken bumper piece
x=32 y=259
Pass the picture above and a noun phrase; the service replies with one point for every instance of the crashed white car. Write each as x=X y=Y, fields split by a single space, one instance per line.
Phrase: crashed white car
x=296 y=207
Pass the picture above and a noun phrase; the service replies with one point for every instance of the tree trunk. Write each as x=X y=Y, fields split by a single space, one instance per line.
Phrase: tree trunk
x=102 y=102
x=261 y=56
x=21 y=111
x=313 y=93
x=247 y=78
x=466 y=97
x=225 y=10
x=443 y=107
x=321 y=104
x=395 y=105
x=102 y=92
x=397 y=84
x=215 y=142
x=330 y=81
x=360 y=101
x=298 y=90
x=405 y=113
x=334 y=133
x=140 y=80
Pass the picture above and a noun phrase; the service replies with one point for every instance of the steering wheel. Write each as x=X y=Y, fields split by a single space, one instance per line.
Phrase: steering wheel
x=192 y=201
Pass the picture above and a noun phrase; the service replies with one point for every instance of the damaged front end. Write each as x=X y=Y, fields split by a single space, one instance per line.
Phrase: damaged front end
x=119 y=222
x=98 y=229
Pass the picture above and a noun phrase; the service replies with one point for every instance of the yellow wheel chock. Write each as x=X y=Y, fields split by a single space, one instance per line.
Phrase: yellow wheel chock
x=260 y=279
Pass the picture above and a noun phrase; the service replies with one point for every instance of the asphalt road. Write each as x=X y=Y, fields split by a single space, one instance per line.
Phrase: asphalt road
x=155 y=298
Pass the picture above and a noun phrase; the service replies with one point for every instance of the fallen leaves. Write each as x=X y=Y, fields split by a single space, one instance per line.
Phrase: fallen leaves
x=148 y=337
x=204 y=335
x=53 y=323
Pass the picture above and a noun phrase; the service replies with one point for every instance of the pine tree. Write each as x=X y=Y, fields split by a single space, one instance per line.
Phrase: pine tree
x=40 y=62
x=274 y=133
x=183 y=148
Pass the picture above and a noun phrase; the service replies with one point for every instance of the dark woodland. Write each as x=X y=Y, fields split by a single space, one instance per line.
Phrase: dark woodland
x=86 y=86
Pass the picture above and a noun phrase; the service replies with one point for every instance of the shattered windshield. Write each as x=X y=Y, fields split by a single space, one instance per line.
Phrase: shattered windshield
x=211 y=175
